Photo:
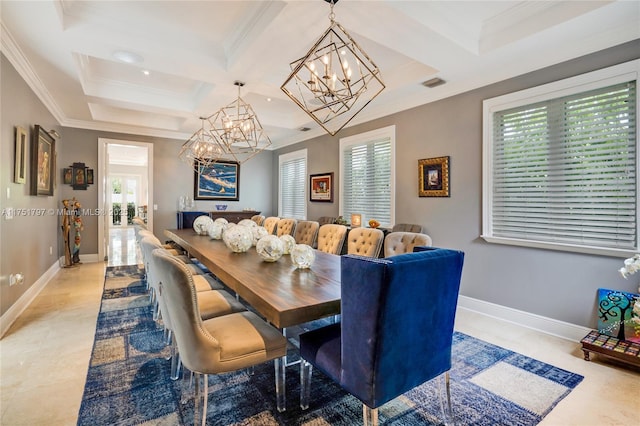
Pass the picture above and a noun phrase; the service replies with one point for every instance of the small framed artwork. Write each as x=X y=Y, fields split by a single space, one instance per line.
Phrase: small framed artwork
x=321 y=187
x=89 y=176
x=79 y=176
x=20 y=165
x=433 y=177
x=218 y=181
x=43 y=148
x=67 y=176
x=616 y=315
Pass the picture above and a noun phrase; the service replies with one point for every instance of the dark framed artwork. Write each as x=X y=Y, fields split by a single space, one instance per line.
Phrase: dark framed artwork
x=89 y=176
x=218 y=181
x=321 y=187
x=433 y=177
x=20 y=165
x=67 y=176
x=43 y=148
x=79 y=176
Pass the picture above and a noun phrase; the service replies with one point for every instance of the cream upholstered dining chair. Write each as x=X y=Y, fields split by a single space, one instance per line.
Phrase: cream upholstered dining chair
x=365 y=241
x=258 y=219
x=217 y=345
x=203 y=281
x=404 y=242
x=326 y=220
x=286 y=227
x=406 y=227
x=331 y=238
x=306 y=232
x=211 y=303
x=270 y=224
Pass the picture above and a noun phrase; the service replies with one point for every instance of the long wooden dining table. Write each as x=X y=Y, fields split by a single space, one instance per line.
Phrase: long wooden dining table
x=283 y=294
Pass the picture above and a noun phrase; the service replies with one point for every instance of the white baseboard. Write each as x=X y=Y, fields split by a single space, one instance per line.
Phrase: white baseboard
x=12 y=314
x=546 y=325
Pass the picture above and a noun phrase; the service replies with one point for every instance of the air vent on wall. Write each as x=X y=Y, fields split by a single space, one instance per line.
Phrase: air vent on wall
x=433 y=82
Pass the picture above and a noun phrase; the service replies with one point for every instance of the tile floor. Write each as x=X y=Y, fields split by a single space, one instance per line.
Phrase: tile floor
x=45 y=354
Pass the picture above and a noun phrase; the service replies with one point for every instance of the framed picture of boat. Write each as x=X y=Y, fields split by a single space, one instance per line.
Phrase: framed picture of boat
x=217 y=181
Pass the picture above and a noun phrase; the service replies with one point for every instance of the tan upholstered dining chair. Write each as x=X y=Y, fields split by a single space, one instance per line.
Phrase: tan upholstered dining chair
x=286 y=227
x=406 y=227
x=331 y=238
x=404 y=242
x=326 y=220
x=365 y=242
x=217 y=345
x=258 y=219
x=270 y=224
x=307 y=232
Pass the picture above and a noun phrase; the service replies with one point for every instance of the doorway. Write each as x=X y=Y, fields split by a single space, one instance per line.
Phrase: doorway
x=125 y=191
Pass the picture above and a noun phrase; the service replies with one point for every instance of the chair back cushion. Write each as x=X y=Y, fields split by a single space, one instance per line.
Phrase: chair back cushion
x=404 y=242
x=365 y=241
x=286 y=227
x=307 y=232
x=407 y=227
x=397 y=321
x=258 y=219
x=331 y=238
x=326 y=220
x=270 y=224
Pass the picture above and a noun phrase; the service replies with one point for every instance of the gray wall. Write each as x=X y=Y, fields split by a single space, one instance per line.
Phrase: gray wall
x=24 y=240
x=553 y=284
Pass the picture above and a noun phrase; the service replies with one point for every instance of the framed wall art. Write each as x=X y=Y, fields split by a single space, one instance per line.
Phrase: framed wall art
x=321 y=187
x=20 y=164
x=43 y=148
x=218 y=181
x=79 y=176
x=67 y=176
x=433 y=177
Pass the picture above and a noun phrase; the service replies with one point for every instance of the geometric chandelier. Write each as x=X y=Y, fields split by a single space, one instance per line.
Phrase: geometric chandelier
x=238 y=131
x=201 y=149
x=233 y=133
x=335 y=80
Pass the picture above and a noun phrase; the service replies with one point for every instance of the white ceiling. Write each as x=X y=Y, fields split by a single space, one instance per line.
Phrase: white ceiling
x=195 y=50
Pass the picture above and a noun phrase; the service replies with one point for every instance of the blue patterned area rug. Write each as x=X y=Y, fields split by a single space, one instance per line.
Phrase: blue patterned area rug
x=128 y=380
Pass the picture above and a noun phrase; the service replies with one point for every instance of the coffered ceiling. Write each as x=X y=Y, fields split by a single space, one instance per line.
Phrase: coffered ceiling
x=155 y=67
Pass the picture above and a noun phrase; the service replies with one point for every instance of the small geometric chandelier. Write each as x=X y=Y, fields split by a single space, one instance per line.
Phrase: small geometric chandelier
x=238 y=131
x=335 y=80
x=201 y=149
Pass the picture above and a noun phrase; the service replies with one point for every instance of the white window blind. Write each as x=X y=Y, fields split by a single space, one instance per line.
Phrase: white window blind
x=367 y=176
x=564 y=170
x=293 y=178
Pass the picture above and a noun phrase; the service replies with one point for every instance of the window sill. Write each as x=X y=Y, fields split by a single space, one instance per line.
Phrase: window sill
x=600 y=251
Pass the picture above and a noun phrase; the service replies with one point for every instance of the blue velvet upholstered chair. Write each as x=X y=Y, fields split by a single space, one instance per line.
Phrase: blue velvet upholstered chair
x=396 y=330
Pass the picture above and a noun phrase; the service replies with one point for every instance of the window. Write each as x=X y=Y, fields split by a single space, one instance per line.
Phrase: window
x=293 y=185
x=560 y=164
x=367 y=184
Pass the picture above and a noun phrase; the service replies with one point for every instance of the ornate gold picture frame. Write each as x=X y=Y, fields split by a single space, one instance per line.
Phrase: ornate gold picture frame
x=433 y=177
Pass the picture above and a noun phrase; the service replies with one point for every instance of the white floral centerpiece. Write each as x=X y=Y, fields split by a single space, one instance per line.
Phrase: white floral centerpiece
x=631 y=266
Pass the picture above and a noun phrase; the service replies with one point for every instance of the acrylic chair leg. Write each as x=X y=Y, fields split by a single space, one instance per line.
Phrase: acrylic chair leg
x=306 y=371
x=175 y=361
x=205 y=396
x=444 y=392
x=197 y=412
x=369 y=416
x=281 y=397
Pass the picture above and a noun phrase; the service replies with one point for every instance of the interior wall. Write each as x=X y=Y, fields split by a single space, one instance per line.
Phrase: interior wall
x=553 y=284
x=26 y=239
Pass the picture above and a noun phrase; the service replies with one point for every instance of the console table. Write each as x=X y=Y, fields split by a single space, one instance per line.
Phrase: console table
x=185 y=218
x=622 y=350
